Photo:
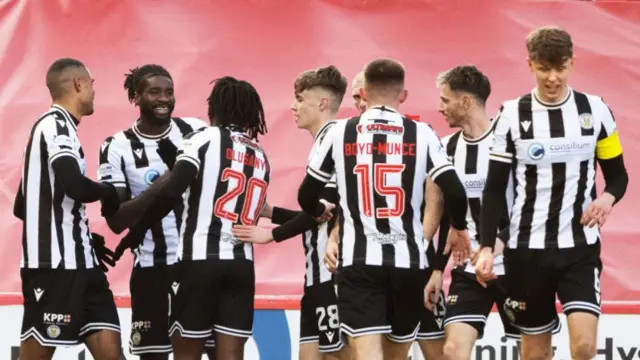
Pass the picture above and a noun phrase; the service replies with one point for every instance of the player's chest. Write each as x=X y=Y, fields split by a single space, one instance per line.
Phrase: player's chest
x=471 y=162
x=142 y=165
x=550 y=140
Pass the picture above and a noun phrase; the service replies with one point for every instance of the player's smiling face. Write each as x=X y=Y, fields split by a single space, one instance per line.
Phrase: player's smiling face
x=157 y=101
x=551 y=80
x=306 y=108
x=451 y=106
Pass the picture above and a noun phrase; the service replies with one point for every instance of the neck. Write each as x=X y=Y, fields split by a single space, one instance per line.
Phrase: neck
x=71 y=108
x=476 y=125
x=152 y=127
x=315 y=127
x=561 y=98
x=392 y=103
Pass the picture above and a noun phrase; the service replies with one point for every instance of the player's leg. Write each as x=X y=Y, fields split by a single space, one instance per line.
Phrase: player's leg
x=468 y=306
x=530 y=303
x=150 y=296
x=210 y=347
x=101 y=325
x=327 y=321
x=579 y=293
x=430 y=335
x=363 y=311
x=191 y=317
x=233 y=318
x=405 y=302
x=48 y=293
x=308 y=348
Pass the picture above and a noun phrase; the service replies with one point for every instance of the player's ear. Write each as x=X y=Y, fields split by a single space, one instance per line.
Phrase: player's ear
x=324 y=104
x=77 y=84
x=530 y=64
x=403 y=95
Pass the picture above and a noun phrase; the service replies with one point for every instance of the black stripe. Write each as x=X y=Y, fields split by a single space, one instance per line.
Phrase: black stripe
x=81 y=261
x=195 y=191
x=452 y=145
x=183 y=126
x=61 y=126
x=137 y=149
x=315 y=257
x=556 y=123
x=552 y=225
x=353 y=196
x=474 y=209
x=215 y=227
x=160 y=244
x=526 y=219
x=525 y=117
x=379 y=201
x=579 y=238
x=45 y=203
x=584 y=113
x=471 y=160
x=407 y=178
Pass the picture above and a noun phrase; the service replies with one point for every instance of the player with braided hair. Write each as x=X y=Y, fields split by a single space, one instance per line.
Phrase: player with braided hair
x=132 y=160
x=224 y=174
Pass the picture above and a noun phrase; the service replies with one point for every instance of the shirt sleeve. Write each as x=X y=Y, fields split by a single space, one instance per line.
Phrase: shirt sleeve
x=60 y=138
x=503 y=147
x=190 y=148
x=110 y=167
x=437 y=159
x=608 y=145
x=322 y=165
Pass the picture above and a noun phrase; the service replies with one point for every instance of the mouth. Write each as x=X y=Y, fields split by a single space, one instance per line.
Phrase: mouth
x=162 y=110
x=552 y=89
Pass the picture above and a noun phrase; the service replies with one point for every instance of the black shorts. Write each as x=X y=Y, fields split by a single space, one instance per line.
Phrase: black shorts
x=212 y=295
x=432 y=322
x=534 y=277
x=63 y=307
x=150 y=290
x=319 y=321
x=381 y=300
x=470 y=303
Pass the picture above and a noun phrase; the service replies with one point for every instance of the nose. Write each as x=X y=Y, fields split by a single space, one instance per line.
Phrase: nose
x=553 y=75
x=293 y=106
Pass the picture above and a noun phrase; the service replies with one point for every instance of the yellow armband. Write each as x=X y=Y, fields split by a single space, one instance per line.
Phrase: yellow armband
x=609 y=147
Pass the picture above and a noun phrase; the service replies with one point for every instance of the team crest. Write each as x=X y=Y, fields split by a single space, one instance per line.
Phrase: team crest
x=586 y=121
x=136 y=338
x=53 y=331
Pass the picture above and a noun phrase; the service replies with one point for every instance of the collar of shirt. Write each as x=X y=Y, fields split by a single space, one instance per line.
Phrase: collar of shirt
x=68 y=114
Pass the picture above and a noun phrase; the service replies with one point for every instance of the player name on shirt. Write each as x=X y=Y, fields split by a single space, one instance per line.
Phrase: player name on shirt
x=380 y=168
x=129 y=159
x=553 y=149
x=470 y=158
x=55 y=232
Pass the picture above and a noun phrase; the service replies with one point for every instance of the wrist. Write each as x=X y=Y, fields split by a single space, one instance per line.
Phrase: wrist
x=608 y=198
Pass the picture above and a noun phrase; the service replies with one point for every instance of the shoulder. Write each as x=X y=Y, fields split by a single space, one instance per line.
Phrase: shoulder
x=194 y=122
x=115 y=142
x=445 y=140
x=47 y=121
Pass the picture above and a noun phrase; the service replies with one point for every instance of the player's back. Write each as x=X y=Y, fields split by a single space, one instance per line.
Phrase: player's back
x=231 y=188
x=382 y=160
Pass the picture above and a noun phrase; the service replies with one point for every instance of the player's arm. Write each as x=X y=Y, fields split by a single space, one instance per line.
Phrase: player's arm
x=302 y=221
x=494 y=192
x=110 y=171
x=19 y=205
x=63 y=158
x=609 y=155
x=319 y=172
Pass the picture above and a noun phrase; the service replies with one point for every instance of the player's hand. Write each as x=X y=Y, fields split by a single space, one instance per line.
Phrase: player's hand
x=327 y=214
x=103 y=253
x=432 y=290
x=111 y=202
x=459 y=243
x=331 y=255
x=252 y=234
x=267 y=211
x=132 y=240
x=497 y=250
x=598 y=211
x=167 y=152
x=484 y=266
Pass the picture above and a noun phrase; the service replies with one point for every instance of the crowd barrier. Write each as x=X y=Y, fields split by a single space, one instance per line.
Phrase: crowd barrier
x=276 y=333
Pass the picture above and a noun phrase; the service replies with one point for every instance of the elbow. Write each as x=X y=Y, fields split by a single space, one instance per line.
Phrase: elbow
x=115 y=226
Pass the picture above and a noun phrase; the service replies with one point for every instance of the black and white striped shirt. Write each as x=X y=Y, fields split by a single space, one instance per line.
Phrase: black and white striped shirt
x=231 y=188
x=381 y=160
x=470 y=158
x=55 y=231
x=129 y=159
x=553 y=149
x=315 y=240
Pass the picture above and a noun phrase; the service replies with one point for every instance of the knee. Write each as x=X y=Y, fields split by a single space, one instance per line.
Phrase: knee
x=453 y=351
x=536 y=353
x=583 y=349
